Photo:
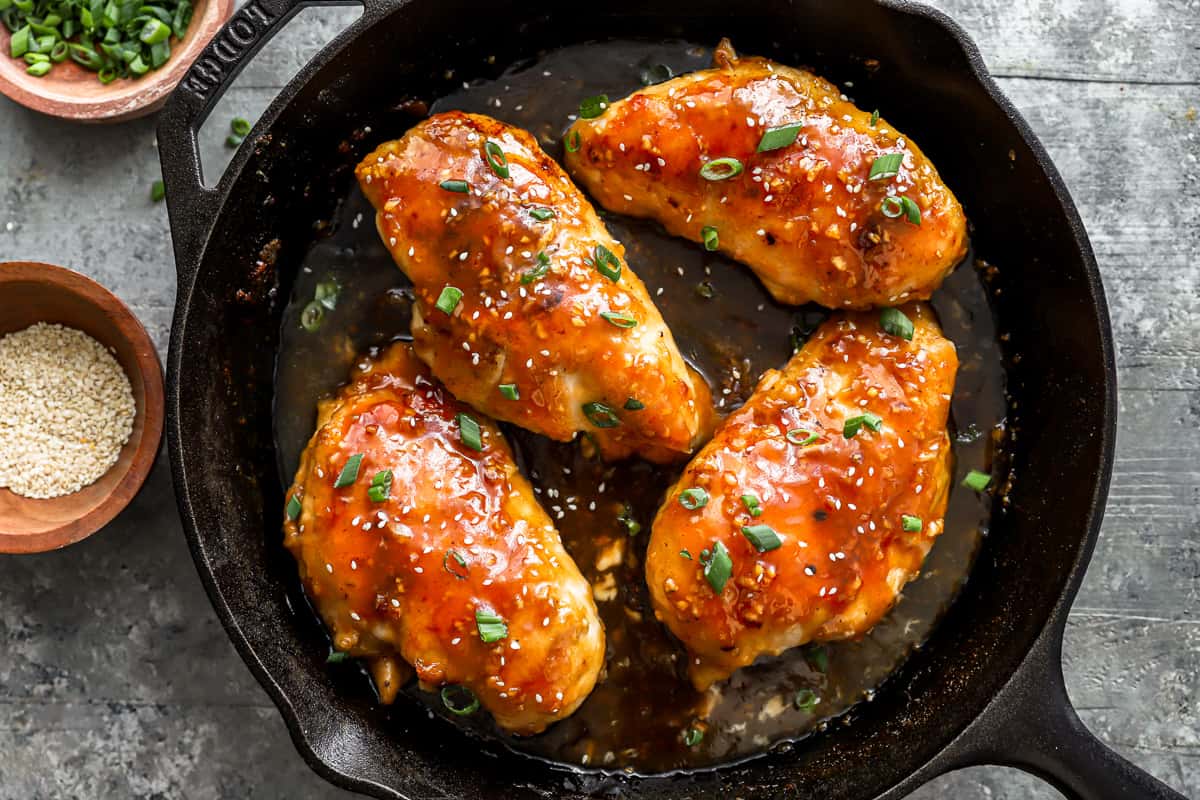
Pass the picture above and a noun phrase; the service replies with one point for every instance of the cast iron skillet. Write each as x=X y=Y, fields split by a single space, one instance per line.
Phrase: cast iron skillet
x=987 y=687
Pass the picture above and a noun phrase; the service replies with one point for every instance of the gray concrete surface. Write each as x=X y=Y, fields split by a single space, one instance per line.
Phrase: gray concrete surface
x=116 y=681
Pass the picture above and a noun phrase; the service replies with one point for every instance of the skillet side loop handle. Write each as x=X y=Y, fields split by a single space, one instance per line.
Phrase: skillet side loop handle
x=190 y=205
x=1031 y=725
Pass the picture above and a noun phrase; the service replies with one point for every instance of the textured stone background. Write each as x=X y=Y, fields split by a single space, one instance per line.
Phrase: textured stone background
x=116 y=681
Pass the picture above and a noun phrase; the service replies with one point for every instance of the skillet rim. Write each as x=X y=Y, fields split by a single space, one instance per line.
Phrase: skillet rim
x=957 y=751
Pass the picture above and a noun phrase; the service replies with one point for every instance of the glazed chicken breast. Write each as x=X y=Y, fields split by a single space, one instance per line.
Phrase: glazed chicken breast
x=773 y=166
x=815 y=503
x=419 y=542
x=525 y=306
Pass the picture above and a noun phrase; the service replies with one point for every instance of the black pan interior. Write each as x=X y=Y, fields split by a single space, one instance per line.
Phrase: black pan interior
x=1043 y=301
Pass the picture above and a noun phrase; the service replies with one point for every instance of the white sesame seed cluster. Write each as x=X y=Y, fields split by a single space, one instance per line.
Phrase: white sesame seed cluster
x=66 y=410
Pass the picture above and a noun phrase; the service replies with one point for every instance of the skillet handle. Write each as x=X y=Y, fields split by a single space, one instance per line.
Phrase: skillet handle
x=1032 y=725
x=191 y=206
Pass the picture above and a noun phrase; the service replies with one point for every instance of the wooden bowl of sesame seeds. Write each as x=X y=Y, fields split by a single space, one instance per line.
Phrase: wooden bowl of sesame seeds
x=41 y=293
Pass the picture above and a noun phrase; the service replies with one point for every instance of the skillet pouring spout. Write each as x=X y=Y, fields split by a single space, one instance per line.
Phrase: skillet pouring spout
x=985 y=688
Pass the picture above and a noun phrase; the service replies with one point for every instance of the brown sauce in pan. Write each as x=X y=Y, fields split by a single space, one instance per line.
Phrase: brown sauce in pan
x=729 y=328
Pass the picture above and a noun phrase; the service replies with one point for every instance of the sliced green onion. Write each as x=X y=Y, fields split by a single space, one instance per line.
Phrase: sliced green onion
x=538 y=272
x=895 y=207
x=154 y=31
x=601 y=415
x=509 y=391
x=158 y=191
x=607 y=263
x=327 y=293
x=542 y=214
x=721 y=169
x=20 y=42
x=886 y=166
x=632 y=526
x=806 y=700
x=685 y=554
x=763 y=537
x=448 y=300
x=464 y=705
x=60 y=52
x=618 y=319
x=633 y=404
x=468 y=431
x=693 y=498
x=461 y=187
x=592 y=107
x=705 y=290
x=458 y=559
x=780 y=137
x=496 y=158
x=349 y=473
x=977 y=480
x=491 y=627
x=895 y=322
x=874 y=117
x=693 y=736
x=655 y=73
x=718 y=567
x=336 y=657
x=240 y=126
x=233 y=142
x=711 y=240
x=572 y=143
x=293 y=508
x=752 y=505
x=853 y=425
x=39 y=69
x=910 y=524
x=312 y=316
x=801 y=437
x=381 y=486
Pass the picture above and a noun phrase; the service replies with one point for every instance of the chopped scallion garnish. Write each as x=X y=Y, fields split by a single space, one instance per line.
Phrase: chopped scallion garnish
x=633 y=404
x=592 y=107
x=496 y=158
x=806 y=700
x=710 y=237
x=910 y=524
x=693 y=736
x=780 y=137
x=977 y=480
x=538 y=272
x=693 y=498
x=853 y=425
x=158 y=191
x=817 y=657
x=293 y=508
x=239 y=125
x=491 y=627
x=464 y=704
x=886 y=166
x=448 y=300
x=685 y=554
x=763 y=537
x=601 y=415
x=542 y=214
x=572 y=143
x=349 y=473
x=312 y=316
x=381 y=486
x=468 y=431
x=718 y=566
x=752 y=505
x=458 y=559
x=655 y=73
x=632 y=526
x=461 y=187
x=801 y=437
x=336 y=657
x=895 y=322
x=607 y=263
x=895 y=207
x=721 y=169
x=509 y=391
x=619 y=319
x=874 y=118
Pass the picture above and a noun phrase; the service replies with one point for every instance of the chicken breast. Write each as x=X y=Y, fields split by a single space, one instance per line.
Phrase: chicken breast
x=775 y=168
x=418 y=540
x=815 y=503
x=525 y=307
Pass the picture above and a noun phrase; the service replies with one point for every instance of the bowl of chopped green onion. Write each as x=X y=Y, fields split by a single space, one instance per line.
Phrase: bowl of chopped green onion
x=101 y=60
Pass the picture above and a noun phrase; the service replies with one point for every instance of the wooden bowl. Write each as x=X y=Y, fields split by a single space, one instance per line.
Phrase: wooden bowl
x=35 y=292
x=72 y=92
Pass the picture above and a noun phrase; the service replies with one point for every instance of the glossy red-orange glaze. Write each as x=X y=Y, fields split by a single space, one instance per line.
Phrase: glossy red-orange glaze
x=546 y=334
x=805 y=217
x=837 y=504
x=460 y=532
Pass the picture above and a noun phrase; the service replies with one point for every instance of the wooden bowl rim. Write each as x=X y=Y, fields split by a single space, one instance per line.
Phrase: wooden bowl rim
x=149 y=371
x=122 y=99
